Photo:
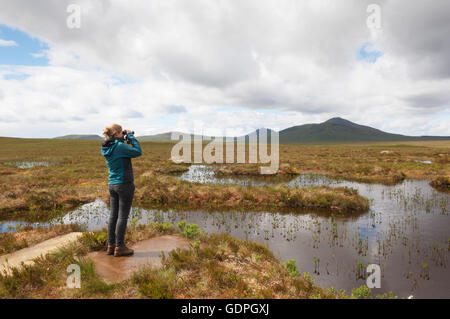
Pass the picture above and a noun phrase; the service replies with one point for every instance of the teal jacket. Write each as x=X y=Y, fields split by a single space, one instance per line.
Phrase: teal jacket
x=118 y=156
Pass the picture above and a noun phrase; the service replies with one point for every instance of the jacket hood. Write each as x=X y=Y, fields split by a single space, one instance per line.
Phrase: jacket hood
x=109 y=145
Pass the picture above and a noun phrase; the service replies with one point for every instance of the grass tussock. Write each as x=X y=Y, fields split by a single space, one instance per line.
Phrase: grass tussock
x=252 y=170
x=441 y=183
x=221 y=266
x=167 y=191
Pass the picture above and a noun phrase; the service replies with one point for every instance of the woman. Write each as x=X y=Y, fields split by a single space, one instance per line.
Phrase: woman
x=121 y=184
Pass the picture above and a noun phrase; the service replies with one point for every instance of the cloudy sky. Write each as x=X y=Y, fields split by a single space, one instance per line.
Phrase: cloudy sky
x=221 y=66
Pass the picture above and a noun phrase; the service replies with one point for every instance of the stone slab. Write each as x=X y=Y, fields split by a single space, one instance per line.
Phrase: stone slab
x=26 y=255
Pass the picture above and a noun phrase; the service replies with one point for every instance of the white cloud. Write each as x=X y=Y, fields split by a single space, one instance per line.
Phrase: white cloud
x=132 y=62
x=7 y=43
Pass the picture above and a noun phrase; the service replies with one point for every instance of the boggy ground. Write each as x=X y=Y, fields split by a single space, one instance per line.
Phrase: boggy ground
x=369 y=163
x=167 y=191
x=216 y=266
x=441 y=183
x=77 y=174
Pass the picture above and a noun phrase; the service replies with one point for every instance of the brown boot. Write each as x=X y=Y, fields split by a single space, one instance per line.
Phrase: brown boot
x=110 y=250
x=123 y=251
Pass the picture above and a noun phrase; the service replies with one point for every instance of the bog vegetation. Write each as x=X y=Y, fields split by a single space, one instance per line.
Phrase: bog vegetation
x=44 y=178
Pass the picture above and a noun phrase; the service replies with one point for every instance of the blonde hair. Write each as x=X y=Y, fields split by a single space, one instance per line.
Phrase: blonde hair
x=111 y=130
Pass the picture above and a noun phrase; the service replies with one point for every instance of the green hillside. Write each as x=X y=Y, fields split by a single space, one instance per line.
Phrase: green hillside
x=337 y=130
x=341 y=130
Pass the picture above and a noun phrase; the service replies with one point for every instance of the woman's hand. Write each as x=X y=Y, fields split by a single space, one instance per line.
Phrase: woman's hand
x=128 y=131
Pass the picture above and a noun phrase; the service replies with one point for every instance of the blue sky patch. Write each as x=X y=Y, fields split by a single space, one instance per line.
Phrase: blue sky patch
x=118 y=80
x=16 y=76
x=368 y=54
x=22 y=53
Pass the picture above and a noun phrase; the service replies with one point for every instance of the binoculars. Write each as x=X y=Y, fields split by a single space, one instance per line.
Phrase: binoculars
x=125 y=136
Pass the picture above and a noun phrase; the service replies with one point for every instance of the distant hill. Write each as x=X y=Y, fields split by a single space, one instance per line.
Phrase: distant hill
x=80 y=137
x=166 y=137
x=257 y=133
x=341 y=130
x=334 y=130
x=163 y=137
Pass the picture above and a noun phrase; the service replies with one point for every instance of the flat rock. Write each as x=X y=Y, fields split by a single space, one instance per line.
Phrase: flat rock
x=26 y=255
x=147 y=252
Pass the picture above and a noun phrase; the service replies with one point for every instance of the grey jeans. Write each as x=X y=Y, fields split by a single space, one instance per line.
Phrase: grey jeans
x=121 y=197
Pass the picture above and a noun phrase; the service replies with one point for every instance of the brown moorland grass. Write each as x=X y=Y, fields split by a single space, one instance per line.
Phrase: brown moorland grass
x=168 y=191
x=78 y=174
x=441 y=183
x=385 y=163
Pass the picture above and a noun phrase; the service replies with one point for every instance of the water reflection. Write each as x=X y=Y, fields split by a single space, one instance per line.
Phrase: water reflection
x=205 y=174
x=406 y=232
